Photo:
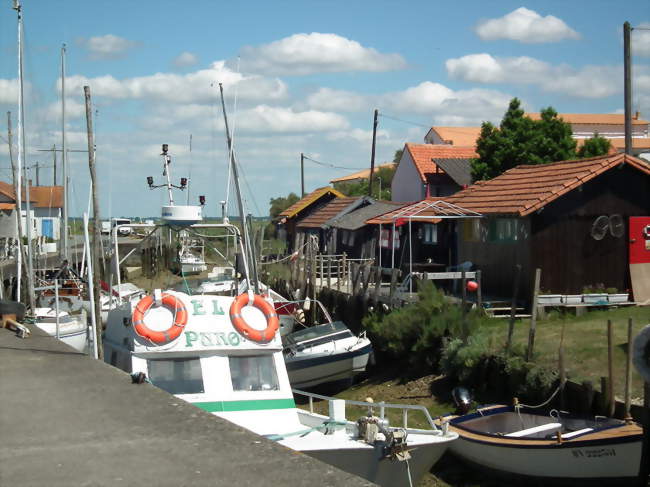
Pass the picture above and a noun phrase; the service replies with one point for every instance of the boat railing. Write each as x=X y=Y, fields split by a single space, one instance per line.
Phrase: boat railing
x=382 y=406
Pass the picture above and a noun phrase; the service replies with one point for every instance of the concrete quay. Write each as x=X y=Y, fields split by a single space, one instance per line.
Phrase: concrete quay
x=69 y=420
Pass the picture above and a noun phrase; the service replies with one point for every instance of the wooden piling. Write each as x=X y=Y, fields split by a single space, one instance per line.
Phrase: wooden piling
x=610 y=369
x=533 y=317
x=628 y=372
x=513 y=307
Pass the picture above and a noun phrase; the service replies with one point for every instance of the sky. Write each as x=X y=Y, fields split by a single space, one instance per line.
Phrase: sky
x=298 y=77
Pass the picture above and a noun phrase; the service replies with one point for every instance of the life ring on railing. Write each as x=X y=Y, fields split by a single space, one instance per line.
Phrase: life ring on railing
x=646 y=231
x=641 y=353
x=272 y=323
x=173 y=304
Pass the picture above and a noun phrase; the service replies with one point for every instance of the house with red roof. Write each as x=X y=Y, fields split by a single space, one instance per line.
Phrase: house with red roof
x=575 y=220
x=429 y=170
x=46 y=203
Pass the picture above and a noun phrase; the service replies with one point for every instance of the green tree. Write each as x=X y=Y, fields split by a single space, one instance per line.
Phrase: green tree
x=382 y=178
x=398 y=155
x=595 y=146
x=520 y=140
x=279 y=204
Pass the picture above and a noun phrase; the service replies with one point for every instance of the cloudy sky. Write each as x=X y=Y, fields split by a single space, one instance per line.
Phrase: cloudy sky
x=298 y=77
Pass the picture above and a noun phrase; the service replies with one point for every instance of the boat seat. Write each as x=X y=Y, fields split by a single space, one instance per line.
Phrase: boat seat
x=535 y=429
x=566 y=436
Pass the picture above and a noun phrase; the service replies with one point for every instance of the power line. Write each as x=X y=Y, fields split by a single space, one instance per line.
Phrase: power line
x=326 y=164
x=405 y=121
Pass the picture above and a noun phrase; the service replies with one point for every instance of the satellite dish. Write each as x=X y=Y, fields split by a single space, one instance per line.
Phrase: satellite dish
x=600 y=227
x=616 y=225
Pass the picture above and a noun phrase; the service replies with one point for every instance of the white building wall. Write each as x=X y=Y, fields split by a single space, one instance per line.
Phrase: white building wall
x=8 y=224
x=432 y=137
x=587 y=130
x=407 y=185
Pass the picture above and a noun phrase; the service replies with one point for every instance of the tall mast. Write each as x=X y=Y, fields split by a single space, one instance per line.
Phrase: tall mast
x=21 y=153
x=64 y=165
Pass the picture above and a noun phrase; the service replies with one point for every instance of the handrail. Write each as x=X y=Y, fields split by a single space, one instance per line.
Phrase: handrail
x=381 y=405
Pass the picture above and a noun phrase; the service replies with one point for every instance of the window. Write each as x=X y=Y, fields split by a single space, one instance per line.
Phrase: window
x=253 y=373
x=503 y=230
x=430 y=233
x=176 y=376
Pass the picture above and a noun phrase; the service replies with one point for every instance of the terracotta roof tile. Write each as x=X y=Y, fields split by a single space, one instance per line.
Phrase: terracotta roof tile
x=7 y=206
x=46 y=196
x=364 y=174
x=327 y=212
x=307 y=200
x=525 y=189
x=422 y=155
x=593 y=118
x=458 y=136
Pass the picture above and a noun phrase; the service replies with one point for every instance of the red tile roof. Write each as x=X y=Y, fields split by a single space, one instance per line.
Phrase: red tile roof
x=307 y=200
x=458 y=136
x=330 y=210
x=40 y=196
x=593 y=118
x=524 y=189
x=423 y=153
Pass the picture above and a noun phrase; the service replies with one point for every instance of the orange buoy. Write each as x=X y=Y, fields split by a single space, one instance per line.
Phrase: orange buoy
x=472 y=286
x=272 y=323
x=173 y=304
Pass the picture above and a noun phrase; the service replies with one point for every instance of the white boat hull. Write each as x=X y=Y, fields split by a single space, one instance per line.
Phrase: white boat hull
x=74 y=335
x=310 y=371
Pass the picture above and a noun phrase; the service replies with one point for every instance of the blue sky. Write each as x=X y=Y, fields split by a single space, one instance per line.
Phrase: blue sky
x=307 y=77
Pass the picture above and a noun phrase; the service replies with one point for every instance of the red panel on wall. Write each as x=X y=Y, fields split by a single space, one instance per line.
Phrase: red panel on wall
x=639 y=240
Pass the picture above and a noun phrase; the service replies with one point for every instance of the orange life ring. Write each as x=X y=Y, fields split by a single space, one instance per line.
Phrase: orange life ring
x=173 y=304
x=272 y=323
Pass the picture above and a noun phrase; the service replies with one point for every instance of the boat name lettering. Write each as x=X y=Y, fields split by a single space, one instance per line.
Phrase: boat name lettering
x=198 y=308
x=597 y=453
x=211 y=339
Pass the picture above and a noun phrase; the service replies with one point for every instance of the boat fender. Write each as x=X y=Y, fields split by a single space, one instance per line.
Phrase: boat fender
x=173 y=304
x=272 y=322
x=641 y=353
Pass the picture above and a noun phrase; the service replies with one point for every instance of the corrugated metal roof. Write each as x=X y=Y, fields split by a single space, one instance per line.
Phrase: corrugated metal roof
x=357 y=218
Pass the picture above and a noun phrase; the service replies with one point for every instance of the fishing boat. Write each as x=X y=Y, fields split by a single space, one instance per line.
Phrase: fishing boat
x=554 y=447
x=224 y=355
x=70 y=329
x=324 y=354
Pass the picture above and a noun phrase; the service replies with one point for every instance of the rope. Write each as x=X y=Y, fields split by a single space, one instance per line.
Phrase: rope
x=408 y=473
x=521 y=405
x=287 y=257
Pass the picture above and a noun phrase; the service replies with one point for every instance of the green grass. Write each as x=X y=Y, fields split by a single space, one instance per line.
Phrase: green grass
x=585 y=343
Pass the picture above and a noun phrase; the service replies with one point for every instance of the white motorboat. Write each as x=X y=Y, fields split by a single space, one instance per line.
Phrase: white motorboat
x=549 y=447
x=324 y=354
x=124 y=291
x=226 y=357
x=72 y=329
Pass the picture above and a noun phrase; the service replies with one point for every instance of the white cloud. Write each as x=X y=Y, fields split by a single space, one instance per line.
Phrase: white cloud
x=586 y=82
x=302 y=54
x=338 y=100
x=185 y=59
x=265 y=118
x=196 y=87
x=9 y=91
x=108 y=46
x=527 y=26
x=640 y=39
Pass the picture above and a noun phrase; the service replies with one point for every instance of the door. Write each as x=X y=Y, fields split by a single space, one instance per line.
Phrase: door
x=639 y=252
x=48 y=228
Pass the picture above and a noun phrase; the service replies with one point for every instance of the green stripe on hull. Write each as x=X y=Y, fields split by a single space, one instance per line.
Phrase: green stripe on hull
x=253 y=405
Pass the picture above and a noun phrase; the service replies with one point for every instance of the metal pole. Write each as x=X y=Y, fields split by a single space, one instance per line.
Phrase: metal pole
x=96 y=218
x=372 y=156
x=628 y=371
x=379 y=246
x=19 y=215
x=410 y=258
x=64 y=161
x=30 y=261
x=627 y=89
x=56 y=307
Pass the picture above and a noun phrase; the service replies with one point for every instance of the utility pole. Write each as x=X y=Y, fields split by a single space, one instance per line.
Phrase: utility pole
x=302 y=175
x=38 y=181
x=372 y=156
x=96 y=221
x=20 y=257
x=627 y=70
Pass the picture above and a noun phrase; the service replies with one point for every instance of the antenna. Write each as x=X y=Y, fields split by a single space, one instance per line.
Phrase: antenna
x=16 y=5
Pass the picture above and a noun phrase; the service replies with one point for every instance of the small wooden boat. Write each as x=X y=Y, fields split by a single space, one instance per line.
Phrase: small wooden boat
x=549 y=447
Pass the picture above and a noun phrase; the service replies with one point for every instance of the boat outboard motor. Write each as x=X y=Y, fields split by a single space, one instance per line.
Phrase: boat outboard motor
x=462 y=399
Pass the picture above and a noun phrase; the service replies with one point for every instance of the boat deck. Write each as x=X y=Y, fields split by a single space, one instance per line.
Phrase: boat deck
x=67 y=419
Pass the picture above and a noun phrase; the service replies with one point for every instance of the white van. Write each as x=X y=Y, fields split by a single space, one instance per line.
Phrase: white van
x=123 y=231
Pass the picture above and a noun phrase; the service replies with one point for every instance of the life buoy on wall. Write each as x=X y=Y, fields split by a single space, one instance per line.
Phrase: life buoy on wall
x=173 y=304
x=641 y=353
x=272 y=323
x=646 y=231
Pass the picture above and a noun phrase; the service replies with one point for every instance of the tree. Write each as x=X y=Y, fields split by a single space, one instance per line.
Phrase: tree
x=398 y=155
x=279 y=204
x=383 y=177
x=594 y=146
x=520 y=140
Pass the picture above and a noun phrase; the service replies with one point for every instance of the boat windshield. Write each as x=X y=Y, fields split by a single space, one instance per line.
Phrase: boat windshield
x=253 y=373
x=176 y=376
x=319 y=331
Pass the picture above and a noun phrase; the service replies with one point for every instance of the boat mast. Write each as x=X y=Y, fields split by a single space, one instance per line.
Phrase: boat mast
x=166 y=160
x=21 y=154
x=64 y=243
x=240 y=204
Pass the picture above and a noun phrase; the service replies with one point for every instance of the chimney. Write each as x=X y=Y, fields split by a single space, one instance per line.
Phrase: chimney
x=636 y=115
